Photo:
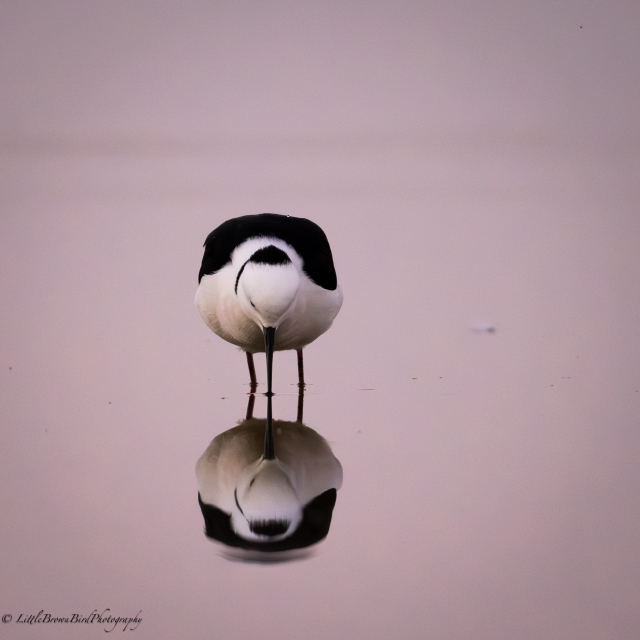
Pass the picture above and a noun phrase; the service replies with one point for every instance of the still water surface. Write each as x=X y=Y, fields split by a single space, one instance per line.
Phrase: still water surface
x=479 y=388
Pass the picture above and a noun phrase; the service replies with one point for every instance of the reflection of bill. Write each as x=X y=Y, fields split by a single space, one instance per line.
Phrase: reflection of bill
x=269 y=505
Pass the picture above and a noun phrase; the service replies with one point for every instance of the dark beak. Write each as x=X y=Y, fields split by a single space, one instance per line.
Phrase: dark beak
x=269 y=339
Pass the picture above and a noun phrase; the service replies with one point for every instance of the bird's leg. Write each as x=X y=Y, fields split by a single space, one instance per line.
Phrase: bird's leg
x=300 y=403
x=252 y=371
x=252 y=387
x=252 y=401
x=300 y=370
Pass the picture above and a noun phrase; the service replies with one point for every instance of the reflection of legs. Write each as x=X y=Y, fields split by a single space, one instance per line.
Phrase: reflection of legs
x=300 y=402
x=252 y=369
x=252 y=400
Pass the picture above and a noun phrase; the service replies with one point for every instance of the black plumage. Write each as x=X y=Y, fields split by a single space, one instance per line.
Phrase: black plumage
x=306 y=237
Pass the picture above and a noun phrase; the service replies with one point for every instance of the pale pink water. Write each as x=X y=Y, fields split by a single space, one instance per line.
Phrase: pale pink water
x=472 y=166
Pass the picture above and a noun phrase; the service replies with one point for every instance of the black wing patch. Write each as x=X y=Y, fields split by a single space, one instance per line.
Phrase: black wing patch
x=306 y=237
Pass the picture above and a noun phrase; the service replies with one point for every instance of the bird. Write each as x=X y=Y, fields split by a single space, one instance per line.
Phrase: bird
x=267 y=283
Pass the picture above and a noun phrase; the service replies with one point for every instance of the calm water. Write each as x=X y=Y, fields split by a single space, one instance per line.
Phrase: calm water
x=479 y=388
x=475 y=167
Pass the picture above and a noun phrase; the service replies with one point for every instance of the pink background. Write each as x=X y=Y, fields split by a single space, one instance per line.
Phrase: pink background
x=470 y=162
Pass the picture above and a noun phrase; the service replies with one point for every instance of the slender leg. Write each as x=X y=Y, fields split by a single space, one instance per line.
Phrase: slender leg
x=300 y=403
x=252 y=370
x=300 y=369
x=252 y=401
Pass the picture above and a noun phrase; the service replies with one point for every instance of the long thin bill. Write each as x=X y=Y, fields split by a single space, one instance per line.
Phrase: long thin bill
x=269 y=339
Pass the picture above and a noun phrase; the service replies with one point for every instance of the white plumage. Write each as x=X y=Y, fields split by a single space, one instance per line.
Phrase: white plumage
x=283 y=297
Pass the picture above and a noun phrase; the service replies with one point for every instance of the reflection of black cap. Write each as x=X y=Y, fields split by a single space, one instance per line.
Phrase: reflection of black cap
x=316 y=520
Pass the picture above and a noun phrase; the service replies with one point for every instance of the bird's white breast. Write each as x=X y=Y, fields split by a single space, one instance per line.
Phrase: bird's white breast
x=313 y=313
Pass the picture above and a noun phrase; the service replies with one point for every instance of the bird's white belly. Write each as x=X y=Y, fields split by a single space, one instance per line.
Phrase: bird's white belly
x=218 y=305
x=313 y=313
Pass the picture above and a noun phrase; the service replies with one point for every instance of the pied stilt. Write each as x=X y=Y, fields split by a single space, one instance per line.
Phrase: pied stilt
x=267 y=283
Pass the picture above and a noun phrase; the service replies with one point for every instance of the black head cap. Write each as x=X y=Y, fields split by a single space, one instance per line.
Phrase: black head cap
x=266 y=255
x=270 y=255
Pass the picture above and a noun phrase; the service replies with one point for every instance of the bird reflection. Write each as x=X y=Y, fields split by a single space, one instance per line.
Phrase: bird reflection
x=268 y=487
